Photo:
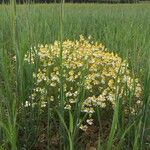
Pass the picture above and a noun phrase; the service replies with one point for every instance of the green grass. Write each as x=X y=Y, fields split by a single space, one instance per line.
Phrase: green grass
x=122 y=28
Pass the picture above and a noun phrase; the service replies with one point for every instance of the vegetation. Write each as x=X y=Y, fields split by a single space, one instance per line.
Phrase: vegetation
x=61 y=90
x=73 y=1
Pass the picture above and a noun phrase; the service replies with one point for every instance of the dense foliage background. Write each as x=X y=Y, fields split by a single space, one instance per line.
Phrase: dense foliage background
x=75 y=1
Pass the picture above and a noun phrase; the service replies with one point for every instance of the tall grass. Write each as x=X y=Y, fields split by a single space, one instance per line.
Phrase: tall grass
x=122 y=28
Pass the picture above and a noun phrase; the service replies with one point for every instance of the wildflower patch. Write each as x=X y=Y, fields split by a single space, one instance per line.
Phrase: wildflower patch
x=104 y=76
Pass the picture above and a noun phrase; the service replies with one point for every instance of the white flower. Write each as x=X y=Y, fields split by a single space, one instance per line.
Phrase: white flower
x=84 y=127
x=27 y=104
x=52 y=98
x=68 y=107
x=89 y=121
x=43 y=104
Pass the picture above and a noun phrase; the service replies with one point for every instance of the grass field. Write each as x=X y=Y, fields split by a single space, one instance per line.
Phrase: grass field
x=122 y=28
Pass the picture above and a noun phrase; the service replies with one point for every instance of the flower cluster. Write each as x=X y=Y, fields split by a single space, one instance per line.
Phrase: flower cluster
x=102 y=75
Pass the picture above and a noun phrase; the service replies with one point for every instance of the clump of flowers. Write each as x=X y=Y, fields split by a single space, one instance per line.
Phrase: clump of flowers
x=104 y=75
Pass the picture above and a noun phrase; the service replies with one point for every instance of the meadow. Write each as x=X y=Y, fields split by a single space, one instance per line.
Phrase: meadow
x=122 y=28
